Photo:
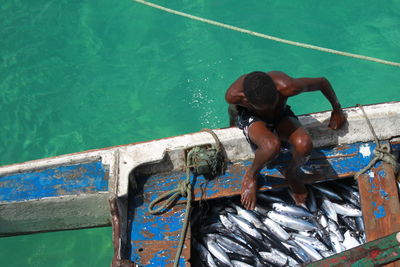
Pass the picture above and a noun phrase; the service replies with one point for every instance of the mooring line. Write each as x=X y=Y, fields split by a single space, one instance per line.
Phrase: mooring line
x=269 y=37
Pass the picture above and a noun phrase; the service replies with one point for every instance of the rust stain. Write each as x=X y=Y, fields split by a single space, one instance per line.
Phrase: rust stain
x=147 y=234
x=149 y=249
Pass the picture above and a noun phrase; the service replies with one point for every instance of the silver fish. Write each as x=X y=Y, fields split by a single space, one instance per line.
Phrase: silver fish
x=328 y=208
x=229 y=245
x=323 y=221
x=311 y=252
x=291 y=210
x=217 y=252
x=249 y=216
x=273 y=258
x=346 y=210
x=226 y=222
x=326 y=254
x=291 y=222
x=315 y=243
x=205 y=255
x=311 y=201
x=290 y=261
x=261 y=210
x=350 y=241
x=360 y=223
x=333 y=227
x=327 y=192
x=245 y=226
x=336 y=243
x=236 y=263
x=275 y=229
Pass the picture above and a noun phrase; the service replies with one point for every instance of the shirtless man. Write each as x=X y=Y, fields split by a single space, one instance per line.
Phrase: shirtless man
x=257 y=105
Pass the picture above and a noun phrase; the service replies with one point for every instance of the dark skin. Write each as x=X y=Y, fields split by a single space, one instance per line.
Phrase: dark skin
x=289 y=129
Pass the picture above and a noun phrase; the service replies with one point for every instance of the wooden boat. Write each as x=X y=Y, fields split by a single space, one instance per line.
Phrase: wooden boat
x=82 y=189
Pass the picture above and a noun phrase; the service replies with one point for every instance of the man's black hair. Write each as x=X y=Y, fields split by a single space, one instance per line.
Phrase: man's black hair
x=259 y=88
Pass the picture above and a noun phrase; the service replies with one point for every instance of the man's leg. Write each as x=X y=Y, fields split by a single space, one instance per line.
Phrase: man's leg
x=290 y=129
x=268 y=147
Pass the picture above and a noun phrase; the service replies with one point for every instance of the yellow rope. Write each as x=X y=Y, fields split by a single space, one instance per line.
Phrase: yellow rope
x=269 y=37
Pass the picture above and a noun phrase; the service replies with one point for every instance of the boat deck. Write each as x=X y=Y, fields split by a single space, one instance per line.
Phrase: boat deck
x=154 y=238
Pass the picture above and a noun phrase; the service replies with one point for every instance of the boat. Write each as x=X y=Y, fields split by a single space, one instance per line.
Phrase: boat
x=117 y=185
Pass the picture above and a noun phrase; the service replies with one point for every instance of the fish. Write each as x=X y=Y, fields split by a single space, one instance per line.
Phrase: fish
x=315 y=243
x=291 y=222
x=290 y=261
x=333 y=227
x=311 y=202
x=245 y=226
x=360 y=223
x=205 y=255
x=241 y=258
x=311 y=252
x=237 y=263
x=277 y=232
x=217 y=252
x=291 y=210
x=346 y=210
x=350 y=241
x=275 y=259
x=328 y=208
x=328 y=192
x=336 y=243
x=250 y=216
x=275 y=229
x=233 y=246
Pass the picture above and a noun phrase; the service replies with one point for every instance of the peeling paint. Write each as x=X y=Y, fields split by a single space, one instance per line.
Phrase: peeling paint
x=365 y=151
x=380 y=211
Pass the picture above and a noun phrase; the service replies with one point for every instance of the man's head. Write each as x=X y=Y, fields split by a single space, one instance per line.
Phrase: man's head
x=260 y=90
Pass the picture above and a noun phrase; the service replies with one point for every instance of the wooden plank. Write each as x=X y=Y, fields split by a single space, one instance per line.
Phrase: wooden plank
x=379 y=201
x=375 y=253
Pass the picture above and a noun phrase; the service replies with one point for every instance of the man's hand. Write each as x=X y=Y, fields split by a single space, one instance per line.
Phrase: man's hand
x=337 y=119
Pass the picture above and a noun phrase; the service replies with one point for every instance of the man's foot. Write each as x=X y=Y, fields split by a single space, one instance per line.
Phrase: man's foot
x=310 y=178
x=249 y=191
x=299 y=191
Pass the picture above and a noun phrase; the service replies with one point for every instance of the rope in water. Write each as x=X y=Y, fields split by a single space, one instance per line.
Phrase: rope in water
x=269 y=37
x=381 y=152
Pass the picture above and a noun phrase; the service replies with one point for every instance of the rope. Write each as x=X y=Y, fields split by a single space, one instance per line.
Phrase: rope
x=381 y=152
x=184 y=189
x=269 y=37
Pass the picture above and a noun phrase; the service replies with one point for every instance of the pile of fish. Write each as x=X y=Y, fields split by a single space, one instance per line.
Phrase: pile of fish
x=277 y=232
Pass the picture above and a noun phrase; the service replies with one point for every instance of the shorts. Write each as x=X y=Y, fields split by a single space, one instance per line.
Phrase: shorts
x=245 y=118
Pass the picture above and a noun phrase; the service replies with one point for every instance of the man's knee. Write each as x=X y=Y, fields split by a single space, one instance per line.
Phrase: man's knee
x=271 y=146
x=303 y=145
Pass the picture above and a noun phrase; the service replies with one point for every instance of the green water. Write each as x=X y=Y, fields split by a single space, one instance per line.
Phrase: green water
x=79 y=75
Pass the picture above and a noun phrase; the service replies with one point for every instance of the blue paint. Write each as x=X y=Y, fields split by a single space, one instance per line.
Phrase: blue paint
x=380 y=212
x=384 y=194
x=53 y=182
x=382 y=174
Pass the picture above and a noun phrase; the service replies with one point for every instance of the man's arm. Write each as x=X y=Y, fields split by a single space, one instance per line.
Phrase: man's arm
x=294 y=87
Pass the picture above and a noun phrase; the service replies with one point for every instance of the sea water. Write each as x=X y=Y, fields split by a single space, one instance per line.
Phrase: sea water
x=80 y=75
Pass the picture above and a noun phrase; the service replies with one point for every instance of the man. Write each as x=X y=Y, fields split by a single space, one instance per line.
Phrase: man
x=257 y=104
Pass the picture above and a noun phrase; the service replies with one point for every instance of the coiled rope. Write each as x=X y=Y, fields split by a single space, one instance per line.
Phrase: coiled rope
x=381 y=152
x=269 y=37
x=184 y=189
